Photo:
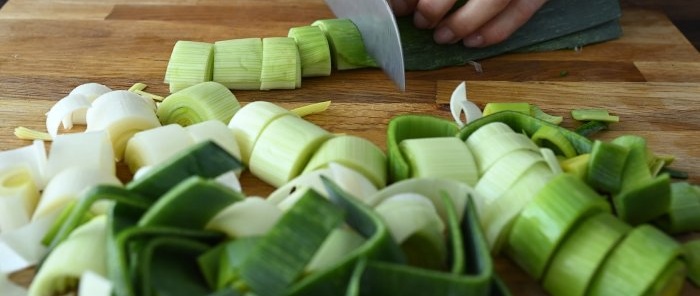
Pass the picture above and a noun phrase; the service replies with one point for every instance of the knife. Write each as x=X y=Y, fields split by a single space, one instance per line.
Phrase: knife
x=380 y=33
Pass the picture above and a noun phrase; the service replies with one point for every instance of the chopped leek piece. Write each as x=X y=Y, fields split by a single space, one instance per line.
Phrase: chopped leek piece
x=353 y=152
x=503 y=174
x=593 y=114
x=94 y=284
x=670 y=281
x=24 y=133
x=645 y=201
x=395 y=209
x=444 y=157
x=217 y=132
x=538 y=113
x=551 y=160
x=190 y=63
x=591 y=127
x=63 y=112
x=314 y=50
x=281 y=66
x=339 y=243
x=346 y=44
x=198 y=103
x=250 y=121
x=238 y=63
x=284 y=148
x=548 y=218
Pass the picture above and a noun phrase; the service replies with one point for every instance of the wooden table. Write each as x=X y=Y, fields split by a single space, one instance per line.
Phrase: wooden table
x=650 y=77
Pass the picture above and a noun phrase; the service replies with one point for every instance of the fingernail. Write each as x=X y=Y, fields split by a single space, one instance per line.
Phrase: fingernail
x=444 y=35
x=474 y=40
x=420 y=21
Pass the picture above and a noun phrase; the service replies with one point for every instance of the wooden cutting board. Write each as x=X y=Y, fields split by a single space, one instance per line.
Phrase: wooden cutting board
x=650 y=77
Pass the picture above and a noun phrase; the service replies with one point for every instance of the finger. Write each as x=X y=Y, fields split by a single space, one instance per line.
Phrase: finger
x=467 y=19
x=429 y=12
x=504 y=24
x=403 y=7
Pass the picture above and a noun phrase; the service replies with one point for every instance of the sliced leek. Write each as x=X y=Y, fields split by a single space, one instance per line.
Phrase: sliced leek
x=346 y=44
x=335 y=248
x=314 y=51
x=353 y=152
x=153 y=146
x=238 y=63
x=199 y=102
x=18 y=197
x=250 y=121
x=444 y=157
x=683 y=211
x=190 y=63
x=281 y=65
x=284 y=148
x=578 y=165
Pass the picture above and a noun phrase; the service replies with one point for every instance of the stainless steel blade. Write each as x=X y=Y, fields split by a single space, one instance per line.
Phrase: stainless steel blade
x=379 y=31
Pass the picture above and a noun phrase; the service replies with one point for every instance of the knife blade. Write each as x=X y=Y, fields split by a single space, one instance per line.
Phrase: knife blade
x=380 y=33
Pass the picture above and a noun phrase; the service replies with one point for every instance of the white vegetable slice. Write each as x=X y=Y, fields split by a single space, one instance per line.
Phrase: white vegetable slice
x=32 y=155
x=68 y=185
x=153 y=146
x=94 y=284
x=18 y=198
x=460 y=104
x=252 y=216
x=89 y=149
x=72 y=106
x=122 y=114
x=8 y=288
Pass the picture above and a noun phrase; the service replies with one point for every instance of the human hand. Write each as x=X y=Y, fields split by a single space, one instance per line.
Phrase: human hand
x=478 y=23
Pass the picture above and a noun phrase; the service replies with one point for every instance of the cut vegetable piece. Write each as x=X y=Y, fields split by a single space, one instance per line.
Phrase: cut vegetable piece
x=250 y=121
x=216 y=131
x=460 y=104
x=205 y=159
x=346 y=44
x=691 y=255
x=18 y=198
x=577 y=165
x=606 y=166
x=551 y=137
x=153 y=146
x=83 y=250
x=445 y=157
x=238 y=63
x=684 y=210
x=636 y=263
x=581 y=253
x=311 y=108
x=281 y=255
x=63 y=112
x=33 y=156
x=198 y=103
x=491 y=150
x=355 y=153
x=251 y=216
x=190 y=63
x=70 y=184
x=502 y=175
x=497 y=218
x=412 y=127
x=122 y=114
x=339 y=243
x=593 y=114
x=284 y=148
x=89 y=149
x=548 y=218
x=196 y=198
x=645 y=201
x=314 y=50
x=281 y=67
x=491 y=108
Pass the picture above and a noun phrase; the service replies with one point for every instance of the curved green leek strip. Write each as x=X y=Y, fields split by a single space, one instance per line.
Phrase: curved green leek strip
x=281 y=255
x=412 y=127
x=205 y=159
x=378 y=246
x=443 y=157
x=636 y=263
x=314 y=50
x=550 y=137
x=581 y=253
x=238 y=63
x=529 y=125
x=190 y=63
x=542 y=225
x=691 y=255
x=353 y=152
x=197 y=103
x=196 y=198
x=346 y=44
x=165 y=267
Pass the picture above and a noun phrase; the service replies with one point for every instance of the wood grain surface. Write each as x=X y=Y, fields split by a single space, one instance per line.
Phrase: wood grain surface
x=650 y=77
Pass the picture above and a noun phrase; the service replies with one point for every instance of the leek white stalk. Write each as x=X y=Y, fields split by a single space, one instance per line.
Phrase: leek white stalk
x=252 y=216
x=461 y=105
x=68 y=185
x=284 y=148
x=153 y=146
x=121 y=114
x=490 y=150
x=238 y=63
x=89 y=149
x=501 y=176
x=18 y=198
x=34 y=156
x=83 y=250
x=250 y=121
